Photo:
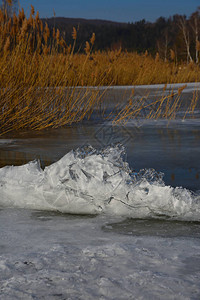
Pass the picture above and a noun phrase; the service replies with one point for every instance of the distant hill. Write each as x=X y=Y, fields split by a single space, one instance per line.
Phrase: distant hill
x=160 y=36
x=107 y=32
x=79 y=21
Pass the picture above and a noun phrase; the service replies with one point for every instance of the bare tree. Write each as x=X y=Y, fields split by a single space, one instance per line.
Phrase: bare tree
x=166 y=36
x=195 y=24
x=183 y=25
x=163 y=44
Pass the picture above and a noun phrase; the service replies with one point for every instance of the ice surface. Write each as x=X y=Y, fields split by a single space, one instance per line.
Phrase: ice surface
x=190 y=86
x=6 y=141
x=50 y=256
x=87 y=181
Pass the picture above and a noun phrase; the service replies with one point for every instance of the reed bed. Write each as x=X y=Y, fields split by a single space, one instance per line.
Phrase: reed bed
x=165 y=106
x=40 y=73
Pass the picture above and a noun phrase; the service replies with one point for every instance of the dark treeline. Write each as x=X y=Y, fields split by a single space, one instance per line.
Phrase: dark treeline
x=176 y=38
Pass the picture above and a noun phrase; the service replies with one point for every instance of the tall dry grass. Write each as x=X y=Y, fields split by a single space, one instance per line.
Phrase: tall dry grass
x=166 y=106
x=39 y=73
x=38 y=76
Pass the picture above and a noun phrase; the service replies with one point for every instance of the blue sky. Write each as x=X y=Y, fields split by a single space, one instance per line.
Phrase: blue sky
x=115 y=10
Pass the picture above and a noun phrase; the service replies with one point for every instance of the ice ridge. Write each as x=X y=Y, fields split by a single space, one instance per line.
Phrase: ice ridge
x=90 y=181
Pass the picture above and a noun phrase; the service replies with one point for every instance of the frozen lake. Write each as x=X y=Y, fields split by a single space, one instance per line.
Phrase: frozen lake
x=45 y=255
x=129 y=234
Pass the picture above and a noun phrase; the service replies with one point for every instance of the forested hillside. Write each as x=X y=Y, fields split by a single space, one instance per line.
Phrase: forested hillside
x=176 y=36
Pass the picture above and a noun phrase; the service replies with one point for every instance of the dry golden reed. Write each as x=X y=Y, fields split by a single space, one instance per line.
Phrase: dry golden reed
x=172 y=54
x=39 y=73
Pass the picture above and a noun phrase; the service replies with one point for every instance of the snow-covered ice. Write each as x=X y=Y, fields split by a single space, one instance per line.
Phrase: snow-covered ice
x=46 y=255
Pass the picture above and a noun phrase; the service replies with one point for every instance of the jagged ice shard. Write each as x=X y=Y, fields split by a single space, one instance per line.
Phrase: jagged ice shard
x=88 y=181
